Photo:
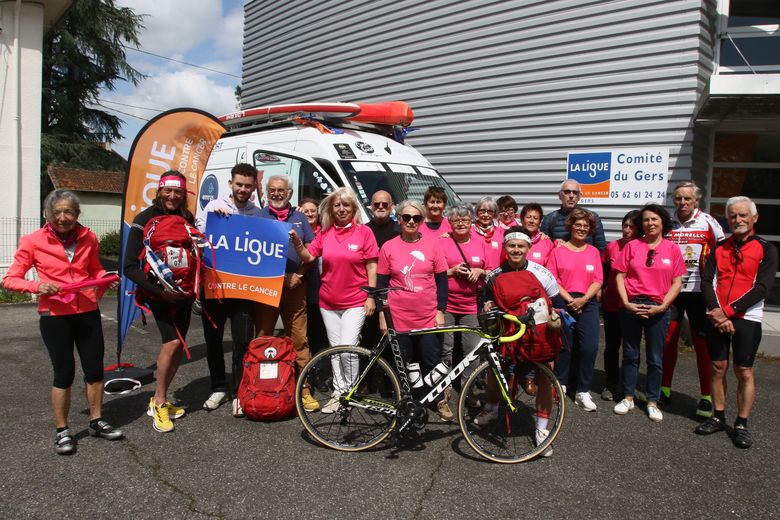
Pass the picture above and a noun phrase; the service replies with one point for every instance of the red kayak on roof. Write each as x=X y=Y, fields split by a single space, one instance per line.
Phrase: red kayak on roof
x=392 y=113
x=395 y=113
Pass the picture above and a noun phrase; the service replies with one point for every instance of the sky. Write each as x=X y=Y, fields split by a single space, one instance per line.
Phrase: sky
x=207 y=33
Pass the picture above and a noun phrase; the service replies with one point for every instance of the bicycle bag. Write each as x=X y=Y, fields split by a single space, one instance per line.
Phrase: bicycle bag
x=267 y=388
x=514 y=293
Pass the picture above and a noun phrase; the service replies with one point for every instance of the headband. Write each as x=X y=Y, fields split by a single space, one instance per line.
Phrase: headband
x=516 y=235
x=172 y=181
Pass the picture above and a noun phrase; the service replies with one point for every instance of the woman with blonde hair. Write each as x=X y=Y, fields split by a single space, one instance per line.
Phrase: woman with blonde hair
x=349 y=257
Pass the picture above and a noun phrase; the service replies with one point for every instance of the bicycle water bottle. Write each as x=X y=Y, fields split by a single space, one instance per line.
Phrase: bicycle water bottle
x=415 y=376
x=436 y=374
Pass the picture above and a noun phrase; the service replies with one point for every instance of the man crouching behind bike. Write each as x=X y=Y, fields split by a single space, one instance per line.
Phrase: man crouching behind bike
x=517 y=242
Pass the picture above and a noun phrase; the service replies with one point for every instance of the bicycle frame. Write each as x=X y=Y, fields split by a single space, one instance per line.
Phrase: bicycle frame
x=391 y=338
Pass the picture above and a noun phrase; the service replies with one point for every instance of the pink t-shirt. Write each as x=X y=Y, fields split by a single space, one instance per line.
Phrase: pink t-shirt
x=576 y=271
x=656 y=280
x=540 y=251
x=412 y=266
x=344 y=253
x=610 y=300
x=494 y=244
x=444 y=228
x=462 y=294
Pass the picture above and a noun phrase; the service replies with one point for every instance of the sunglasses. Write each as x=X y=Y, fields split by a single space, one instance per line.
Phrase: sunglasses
x=380 y=204
x=650 y=257
x=415 y=218
x=570 y=192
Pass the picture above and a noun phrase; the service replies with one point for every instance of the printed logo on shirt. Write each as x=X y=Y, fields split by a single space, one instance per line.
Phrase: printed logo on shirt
x=407 y=270
x=588 y=267
x=475 y=259
x=666 y=261
x=352 y=247
x=536 y=254
x=494 y=244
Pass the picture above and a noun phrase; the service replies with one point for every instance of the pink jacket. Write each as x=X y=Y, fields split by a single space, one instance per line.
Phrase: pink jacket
x=42 y=251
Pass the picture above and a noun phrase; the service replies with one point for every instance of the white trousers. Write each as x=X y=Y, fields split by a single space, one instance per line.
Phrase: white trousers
x=343 y=328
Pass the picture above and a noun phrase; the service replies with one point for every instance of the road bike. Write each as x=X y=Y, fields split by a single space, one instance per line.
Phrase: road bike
x=379 y=399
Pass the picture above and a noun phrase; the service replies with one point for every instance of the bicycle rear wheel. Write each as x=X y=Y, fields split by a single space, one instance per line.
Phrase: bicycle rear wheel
x=510 y=437
x=363 y=415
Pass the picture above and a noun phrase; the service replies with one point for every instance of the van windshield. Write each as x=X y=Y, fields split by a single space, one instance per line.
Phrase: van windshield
x=402 y=181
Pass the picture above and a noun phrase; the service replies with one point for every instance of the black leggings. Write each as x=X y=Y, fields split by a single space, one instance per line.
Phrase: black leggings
x=84 y=330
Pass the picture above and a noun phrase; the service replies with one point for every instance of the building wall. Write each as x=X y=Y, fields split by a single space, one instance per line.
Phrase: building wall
x=101 y=212
x=501 y=90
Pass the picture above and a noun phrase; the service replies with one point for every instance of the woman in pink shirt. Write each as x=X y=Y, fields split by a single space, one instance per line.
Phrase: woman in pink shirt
x=435 y=224
x=466 y=268
x=486 y=230
x=417 y=264
x=531 y=218
x=610 y=303
x=649 y=278
x=349 y=258
x=576 y=266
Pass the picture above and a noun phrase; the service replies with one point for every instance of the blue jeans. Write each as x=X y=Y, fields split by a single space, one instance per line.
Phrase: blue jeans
x=575 y=365
x=655 y=329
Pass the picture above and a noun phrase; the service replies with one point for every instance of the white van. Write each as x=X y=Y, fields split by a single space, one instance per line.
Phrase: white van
x=320 y=153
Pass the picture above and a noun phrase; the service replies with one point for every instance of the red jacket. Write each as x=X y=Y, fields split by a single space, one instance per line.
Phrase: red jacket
x=47 y=255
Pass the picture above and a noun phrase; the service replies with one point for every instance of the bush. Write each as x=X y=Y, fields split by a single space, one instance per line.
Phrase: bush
x=110 y=244
x=7 y=296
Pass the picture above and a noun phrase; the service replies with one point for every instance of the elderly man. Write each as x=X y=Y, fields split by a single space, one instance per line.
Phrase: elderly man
x=736 y=279
x=696 y=233
x=554 y=223
x=292 y=306
x=381 y=224
x=243 y=183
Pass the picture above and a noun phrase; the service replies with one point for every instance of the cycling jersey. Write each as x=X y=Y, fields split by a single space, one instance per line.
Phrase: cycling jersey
x=696 y=237
x=738 y=276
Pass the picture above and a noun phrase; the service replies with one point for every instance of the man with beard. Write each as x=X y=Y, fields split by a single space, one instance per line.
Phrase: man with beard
x=243 y=183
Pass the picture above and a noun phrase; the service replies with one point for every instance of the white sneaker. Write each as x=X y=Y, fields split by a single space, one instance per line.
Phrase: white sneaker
x=486 y=416
x=624 y=406
x=584 y=400
x=563 y=387
x=215 y=400
x=333 y=404
x=539 y=436
x=654 y=413
x=236 y=410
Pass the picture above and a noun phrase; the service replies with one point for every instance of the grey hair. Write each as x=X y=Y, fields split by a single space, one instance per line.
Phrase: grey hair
x=345 y=195
x=489 y=201
x=279 y=176
x=416 y=204
x=56 y=196
x=740 y=199
x=461 y=210
x=579 y=188
x=690 y=184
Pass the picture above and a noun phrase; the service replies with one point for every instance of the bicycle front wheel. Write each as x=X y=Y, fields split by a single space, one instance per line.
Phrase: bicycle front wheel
x=503 y=435
x=352 y=407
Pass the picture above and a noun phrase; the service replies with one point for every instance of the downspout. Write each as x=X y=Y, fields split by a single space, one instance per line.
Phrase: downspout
x=18 y=118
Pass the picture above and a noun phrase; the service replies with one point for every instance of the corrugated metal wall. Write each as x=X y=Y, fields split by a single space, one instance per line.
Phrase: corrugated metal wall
x=501 y=90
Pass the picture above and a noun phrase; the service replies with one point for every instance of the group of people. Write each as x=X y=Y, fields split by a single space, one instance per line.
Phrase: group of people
x=446 y=256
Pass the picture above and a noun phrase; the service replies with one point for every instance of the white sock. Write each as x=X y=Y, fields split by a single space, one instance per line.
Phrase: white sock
x=541 y=423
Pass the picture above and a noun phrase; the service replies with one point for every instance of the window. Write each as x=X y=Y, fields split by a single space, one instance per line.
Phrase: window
x=750 y=39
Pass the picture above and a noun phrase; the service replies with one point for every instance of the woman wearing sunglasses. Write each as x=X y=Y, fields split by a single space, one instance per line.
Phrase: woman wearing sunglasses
x=649 y=278
x=417 y=264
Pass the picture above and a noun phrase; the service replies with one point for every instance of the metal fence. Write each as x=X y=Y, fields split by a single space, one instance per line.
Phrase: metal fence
x=11 y=228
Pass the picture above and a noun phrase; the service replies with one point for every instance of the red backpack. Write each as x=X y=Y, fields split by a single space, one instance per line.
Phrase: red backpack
x=267 y=389
x=514 y=292
x=171 y=256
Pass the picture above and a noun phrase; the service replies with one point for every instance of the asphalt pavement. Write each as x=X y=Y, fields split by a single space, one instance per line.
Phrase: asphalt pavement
x=216 y=466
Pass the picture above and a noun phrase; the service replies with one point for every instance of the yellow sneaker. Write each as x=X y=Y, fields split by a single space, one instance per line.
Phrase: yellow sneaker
x=174 y=412
x=310 y=404
x=161 y=420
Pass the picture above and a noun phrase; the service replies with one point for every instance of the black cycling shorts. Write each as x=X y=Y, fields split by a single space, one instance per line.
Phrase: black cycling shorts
x=691 y=304
x=744 y=342
x=170 y=317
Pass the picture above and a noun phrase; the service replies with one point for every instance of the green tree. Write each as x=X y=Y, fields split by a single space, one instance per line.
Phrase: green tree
x=84 y=53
